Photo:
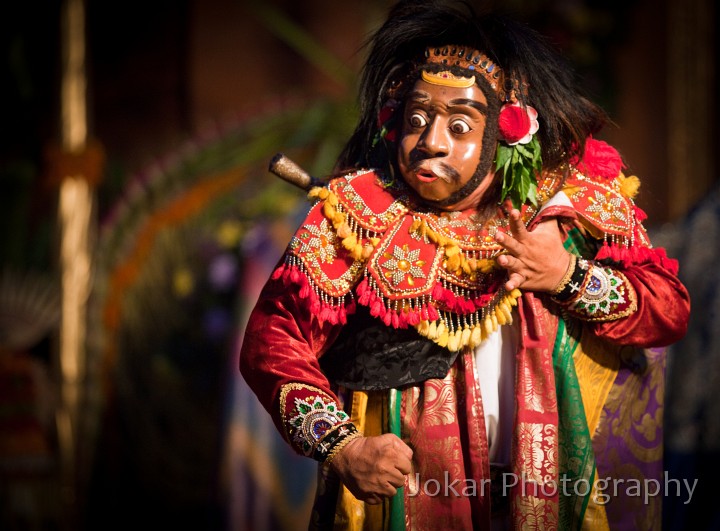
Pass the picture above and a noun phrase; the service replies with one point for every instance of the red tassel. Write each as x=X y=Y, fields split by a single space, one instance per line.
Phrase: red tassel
x=450 y=303
x=638 y=255
x=660 y=257
x=640 y=214
x=387 y=318
x=617 y=253
x=324 y=313
x=363 y=287
x=278 y=272
x=412 y=318
x=447 y=297
x=483 y=300
x=468 y=306
x=604 y=252
x=377 y=309
x=432 y=313
x=394 y=319
x=403 y=320
x=305 y=290
x=365 y=297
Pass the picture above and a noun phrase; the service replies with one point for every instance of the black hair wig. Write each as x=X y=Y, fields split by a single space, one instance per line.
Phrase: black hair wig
x=566 y=117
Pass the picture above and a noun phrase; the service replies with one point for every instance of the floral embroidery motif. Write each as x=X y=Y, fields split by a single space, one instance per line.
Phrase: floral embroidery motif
x=535 y=513
x=403 y=264
x=315 y=417
x=606 y=206
x=604 y=293
x=313 y=422
x=602 y=205
x=321 y=242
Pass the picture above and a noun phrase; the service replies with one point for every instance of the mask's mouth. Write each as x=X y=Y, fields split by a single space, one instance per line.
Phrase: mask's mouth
x=426 y=176
x=430 y=171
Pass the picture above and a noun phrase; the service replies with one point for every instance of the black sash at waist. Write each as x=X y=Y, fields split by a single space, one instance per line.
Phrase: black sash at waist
x=370 y=356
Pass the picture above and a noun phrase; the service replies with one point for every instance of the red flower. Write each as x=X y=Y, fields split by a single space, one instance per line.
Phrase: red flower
x=385 y=114
x=385 y=122
x=600 y=160
x=517 y=124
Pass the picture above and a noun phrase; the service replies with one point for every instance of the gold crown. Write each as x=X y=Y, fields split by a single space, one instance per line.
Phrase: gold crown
x=448 y=79
x=466 y=58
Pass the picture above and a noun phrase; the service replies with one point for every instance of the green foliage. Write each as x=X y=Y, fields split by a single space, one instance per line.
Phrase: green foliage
x=520 y=165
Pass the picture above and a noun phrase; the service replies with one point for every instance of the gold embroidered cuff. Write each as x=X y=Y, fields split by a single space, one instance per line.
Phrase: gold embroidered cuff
x=312 y=419
x=567 y=277
x=340 y=445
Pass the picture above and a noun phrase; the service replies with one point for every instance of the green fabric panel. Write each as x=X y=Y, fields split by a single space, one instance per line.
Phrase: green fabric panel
x=397 y=504
x=576 y=459
x=579 y=245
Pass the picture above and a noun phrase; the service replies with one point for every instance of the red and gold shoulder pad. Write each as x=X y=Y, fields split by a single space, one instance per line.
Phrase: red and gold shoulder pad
x=366 y=200
x=340 y=231
x=604 y=205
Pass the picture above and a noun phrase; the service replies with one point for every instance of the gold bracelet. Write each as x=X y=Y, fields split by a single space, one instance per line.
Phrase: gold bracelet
x=568 y=275
x=339 y=446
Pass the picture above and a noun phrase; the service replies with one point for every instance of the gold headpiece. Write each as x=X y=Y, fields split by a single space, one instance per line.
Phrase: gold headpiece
x=468 y=59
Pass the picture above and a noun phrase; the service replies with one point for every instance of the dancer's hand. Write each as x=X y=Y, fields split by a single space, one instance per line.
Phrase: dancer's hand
x=535 y=260
x=373 y=468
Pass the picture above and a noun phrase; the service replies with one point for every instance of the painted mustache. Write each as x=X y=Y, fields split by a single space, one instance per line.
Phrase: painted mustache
x=438 y=168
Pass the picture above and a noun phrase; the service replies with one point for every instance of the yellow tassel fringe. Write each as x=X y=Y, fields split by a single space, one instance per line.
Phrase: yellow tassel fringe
x=471 y=336
x=455 y=262
x=338 y=219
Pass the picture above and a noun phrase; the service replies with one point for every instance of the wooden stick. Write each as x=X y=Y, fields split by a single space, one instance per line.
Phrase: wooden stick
x=291 y=172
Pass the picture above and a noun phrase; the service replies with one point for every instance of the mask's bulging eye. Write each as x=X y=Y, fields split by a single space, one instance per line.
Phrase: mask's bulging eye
x=459 y=127
x=417 y=120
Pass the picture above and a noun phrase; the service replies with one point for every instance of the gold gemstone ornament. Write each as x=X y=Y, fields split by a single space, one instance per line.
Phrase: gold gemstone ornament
x=403 y=265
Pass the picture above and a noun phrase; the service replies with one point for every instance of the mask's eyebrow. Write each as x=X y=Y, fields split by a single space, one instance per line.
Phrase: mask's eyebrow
x=419 y=95
x=472 y=103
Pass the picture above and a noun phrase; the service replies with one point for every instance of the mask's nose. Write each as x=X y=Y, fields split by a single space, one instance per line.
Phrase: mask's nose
x=434 y=140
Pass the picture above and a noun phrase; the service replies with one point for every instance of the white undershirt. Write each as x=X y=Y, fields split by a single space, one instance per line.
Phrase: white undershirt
x=495 y=366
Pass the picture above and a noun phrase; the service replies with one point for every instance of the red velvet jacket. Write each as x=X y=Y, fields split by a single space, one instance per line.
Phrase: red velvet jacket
x=363 y=243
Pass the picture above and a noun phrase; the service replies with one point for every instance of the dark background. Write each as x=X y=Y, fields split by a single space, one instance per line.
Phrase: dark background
x=181 y=93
